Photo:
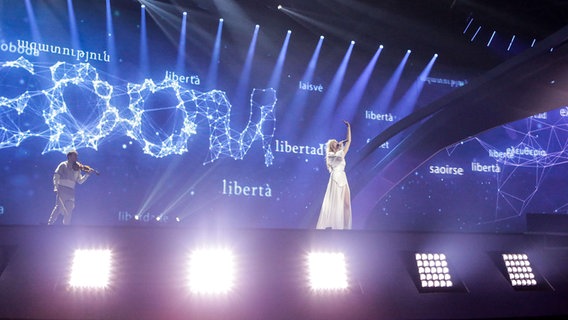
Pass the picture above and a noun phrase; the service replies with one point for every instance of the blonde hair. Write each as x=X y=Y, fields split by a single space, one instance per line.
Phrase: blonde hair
x=328 y=150
x=329 y=143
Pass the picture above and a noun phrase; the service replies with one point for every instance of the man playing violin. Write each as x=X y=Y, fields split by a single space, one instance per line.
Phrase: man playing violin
x=66 y=176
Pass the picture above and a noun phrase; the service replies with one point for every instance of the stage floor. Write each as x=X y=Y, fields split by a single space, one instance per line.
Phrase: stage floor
x=150 y=264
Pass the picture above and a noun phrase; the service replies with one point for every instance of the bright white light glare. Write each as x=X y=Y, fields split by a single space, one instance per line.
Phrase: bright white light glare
x=211 y=271
x=90 y=269
x=519 y=270
x=433 y=270
x=327 y=271
x=279 y=7
x=185 y=13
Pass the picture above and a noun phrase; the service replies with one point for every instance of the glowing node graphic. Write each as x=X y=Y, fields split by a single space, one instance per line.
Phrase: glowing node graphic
x=536 y=145
x=80 y=110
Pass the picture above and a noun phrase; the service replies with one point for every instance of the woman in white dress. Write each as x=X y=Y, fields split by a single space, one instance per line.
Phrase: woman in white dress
x=336 y=208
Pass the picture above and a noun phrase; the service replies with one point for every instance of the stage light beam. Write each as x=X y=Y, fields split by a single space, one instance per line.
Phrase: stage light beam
x=350 y=103
x=301 y=96
x=245 y=76
x=33 y=22
x=144 y=54
x=73 y=25
x=180 y=63
x=111 y=44
x=383 y=101
x=214 y=63
x=277 y=72
x=409 y=100
x=329 y=100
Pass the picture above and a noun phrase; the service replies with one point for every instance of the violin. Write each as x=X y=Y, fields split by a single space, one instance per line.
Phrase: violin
x=85 y=168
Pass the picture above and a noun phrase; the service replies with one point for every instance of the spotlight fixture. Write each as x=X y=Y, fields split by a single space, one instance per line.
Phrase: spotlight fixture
x=91 y=269
x=432 y=273
x=279 y=7
x=327 y=271
x=519 y=272
x=433 y=270
x=211 y=271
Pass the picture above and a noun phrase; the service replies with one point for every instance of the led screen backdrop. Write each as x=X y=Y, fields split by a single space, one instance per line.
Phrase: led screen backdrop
x=201 y=119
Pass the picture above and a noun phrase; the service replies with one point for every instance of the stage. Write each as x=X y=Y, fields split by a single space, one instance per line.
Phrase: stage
x=150 y=264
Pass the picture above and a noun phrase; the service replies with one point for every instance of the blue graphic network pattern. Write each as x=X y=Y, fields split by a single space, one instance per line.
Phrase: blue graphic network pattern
x=537 y=145
x=44 y=113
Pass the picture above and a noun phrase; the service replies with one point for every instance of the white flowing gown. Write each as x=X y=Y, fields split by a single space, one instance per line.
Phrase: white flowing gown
x=336 y=208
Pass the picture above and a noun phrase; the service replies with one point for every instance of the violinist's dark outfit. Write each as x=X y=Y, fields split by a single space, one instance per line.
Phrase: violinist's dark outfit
x=66 y=176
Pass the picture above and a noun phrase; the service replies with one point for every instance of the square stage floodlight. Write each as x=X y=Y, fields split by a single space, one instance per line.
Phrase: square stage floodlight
x=211 y=271
x=327 y=271
x=521 y=274
x=432 y=273
x=91 y=269
x=433 y=270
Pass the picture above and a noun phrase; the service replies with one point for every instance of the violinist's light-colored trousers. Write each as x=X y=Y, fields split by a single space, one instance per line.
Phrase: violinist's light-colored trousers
x=64 y=205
